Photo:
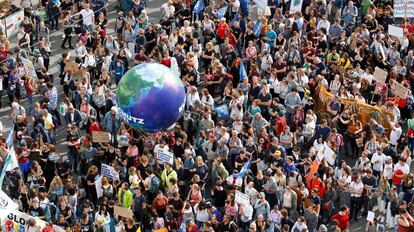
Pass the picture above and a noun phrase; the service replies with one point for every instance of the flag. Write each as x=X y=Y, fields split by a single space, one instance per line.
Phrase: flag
x=199 y=6
x=312 y=171
x=242 y=72
x=244 y=169
x=11 y=161
x=222 y=111
x=244 y=7
x=258 y=28
x=135 y=31
x=222 y=11
x=235 y=18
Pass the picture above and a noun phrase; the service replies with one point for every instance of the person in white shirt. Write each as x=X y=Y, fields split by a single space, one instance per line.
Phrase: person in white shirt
x=356 y=188
x=396 y=132
x=80 y=50
x=401 y=167
x=324 y=23
x=207 y=99
x=378 y=160
x=192 y=97
x=246 y=215
x=88 y=17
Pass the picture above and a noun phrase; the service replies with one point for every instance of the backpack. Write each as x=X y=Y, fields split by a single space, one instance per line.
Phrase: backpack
x=155 y=184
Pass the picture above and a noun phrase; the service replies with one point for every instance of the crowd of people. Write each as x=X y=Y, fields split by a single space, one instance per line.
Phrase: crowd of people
x=253 y=126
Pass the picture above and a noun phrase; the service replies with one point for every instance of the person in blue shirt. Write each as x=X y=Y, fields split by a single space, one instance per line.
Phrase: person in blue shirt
x=350 y=13
x=290 y=166
x=270 y=37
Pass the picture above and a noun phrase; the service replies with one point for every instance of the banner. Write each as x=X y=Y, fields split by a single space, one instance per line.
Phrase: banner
x=396 y=31
x=242 y=72
x=123 y=212
x=20 y=219
x=6 y=205
x=109 y=172
x=364 y=111
x=295 y=6
x=31 y=72
x=165 y=156
x=241 y=198
x=403 y=8
x=101 y=136
x=13 y=23
x=380 y=75
x=399 y=90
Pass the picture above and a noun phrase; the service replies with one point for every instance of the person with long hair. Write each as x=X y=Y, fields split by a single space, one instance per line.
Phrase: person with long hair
x=67 y=29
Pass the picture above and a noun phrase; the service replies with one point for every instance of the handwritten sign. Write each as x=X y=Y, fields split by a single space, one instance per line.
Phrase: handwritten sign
x=329 y=155
x=123 y=212
x=399 y=90
x=241 y=198
x=403 y=8
x=31 y=72
x=165 y=156
x=109 y=172
x=380 y=75
x=101 y=136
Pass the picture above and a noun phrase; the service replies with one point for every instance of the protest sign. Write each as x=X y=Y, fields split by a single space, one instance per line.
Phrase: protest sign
x=396 y=31
x=109 y=172
x=165 y=156
x=399 y=90
x=28 y=65
x=380 y=75
x=123 y=212
x=329 y=155
x=295 y=6
x=370 y=216
x=403 y=8
x=241 y=198
x=98 y=186
x=101 y=137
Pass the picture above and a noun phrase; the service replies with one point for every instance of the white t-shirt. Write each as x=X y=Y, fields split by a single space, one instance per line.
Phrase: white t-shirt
x=87 y=16
x=404 y=168
x=357 y=187
x=378 y=166
x=395 y=135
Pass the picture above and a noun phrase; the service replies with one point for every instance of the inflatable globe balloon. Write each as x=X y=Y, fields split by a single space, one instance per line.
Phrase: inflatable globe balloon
x=150 y=97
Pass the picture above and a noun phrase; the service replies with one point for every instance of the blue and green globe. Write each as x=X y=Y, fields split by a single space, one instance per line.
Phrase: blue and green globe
x=150 y=97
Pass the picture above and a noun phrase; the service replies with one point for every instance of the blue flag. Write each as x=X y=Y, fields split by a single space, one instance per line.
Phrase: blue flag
x=244 y=169
x=235 y=18
x=242 y=72
x=222 y=11
x=135 y=31
x=199 y=6
x=11 y=161
x=222 y=111
x=244 y=7
x=258 y=28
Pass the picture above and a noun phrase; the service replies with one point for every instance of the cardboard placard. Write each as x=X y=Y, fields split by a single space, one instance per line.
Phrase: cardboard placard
x=241 y=198
x=399 y=90
x=380 y=75
x=123 y=212
x=101 y=136
x=28 y=64
x=98 y=186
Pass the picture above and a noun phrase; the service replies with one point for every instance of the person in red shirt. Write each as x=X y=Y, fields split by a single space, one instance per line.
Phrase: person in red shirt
x=280 y=123
x=166 y=60
x=342 y=219
x=317 y=183
x=221 y=30
x=232 y=38
x=94 y=126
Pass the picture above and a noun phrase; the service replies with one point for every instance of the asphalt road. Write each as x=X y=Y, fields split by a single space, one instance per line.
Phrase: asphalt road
x=154 y=13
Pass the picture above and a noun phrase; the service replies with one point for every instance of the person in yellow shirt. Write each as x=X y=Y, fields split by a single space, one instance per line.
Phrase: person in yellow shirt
x=167 y=174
